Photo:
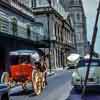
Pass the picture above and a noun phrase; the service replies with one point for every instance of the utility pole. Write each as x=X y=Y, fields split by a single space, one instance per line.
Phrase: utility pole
x=91 y=48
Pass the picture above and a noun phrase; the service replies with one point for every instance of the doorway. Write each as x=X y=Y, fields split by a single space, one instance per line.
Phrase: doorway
x=2 y=60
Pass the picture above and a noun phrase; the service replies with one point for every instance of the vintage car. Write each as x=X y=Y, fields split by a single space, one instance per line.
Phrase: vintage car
x=79 y=74
x=72 y=60
x=22 y=70
x=4 y=92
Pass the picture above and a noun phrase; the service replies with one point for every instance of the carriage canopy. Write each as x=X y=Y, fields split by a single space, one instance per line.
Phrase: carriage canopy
x=26 y=54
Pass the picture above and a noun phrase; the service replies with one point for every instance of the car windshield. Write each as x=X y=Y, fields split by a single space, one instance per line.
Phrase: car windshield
x=94 y=63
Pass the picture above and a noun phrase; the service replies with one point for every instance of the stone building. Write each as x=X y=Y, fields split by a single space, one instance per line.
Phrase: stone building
x=18 y=29
x=58 y=28
x=76 y=10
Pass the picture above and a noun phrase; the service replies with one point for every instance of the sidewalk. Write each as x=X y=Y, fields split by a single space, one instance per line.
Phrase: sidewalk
x=54 y=71
x=50 y=73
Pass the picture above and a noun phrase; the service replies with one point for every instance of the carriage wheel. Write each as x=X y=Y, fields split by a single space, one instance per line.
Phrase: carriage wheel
x=37 y=82
x=43 y=85
x=12 y=84
x=5 y=78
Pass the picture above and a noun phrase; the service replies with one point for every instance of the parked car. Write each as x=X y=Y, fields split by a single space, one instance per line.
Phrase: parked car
x=78 y=75
x=4 y=92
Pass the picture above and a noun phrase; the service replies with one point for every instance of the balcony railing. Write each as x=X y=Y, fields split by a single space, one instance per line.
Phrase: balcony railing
x=19 y=6
x=22 y=32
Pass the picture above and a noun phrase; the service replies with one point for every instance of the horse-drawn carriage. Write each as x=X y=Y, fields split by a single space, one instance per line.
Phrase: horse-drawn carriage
x=23 y=70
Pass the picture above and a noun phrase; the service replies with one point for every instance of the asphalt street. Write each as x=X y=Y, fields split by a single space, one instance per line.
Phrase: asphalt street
x=59 y=88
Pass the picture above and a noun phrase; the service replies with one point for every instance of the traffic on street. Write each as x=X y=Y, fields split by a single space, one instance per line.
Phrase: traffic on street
x=59 y=88
x=49 y=50
x=55 y=90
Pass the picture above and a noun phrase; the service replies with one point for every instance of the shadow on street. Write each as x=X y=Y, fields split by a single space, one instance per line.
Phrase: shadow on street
x=90 y=95
x=23 y=93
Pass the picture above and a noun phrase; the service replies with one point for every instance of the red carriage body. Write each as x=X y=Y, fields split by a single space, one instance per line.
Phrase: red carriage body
x=21 y=70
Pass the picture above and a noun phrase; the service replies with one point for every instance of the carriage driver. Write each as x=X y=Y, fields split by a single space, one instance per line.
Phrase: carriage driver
x=44 y=67
x=40 y=64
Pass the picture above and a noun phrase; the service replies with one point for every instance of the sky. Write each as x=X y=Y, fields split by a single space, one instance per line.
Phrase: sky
x=90 y=7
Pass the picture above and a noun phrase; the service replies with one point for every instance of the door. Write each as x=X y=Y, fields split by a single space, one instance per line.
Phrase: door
x=2 y=60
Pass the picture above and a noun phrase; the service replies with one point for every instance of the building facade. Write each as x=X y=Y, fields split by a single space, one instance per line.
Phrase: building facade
x=76 y=10
x=58 y=27
x=18 y=30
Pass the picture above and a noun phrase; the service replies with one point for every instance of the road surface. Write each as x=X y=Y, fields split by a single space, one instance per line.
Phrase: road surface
x=59 y=88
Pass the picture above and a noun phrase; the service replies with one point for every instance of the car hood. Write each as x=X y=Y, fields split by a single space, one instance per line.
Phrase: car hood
x=94 y=72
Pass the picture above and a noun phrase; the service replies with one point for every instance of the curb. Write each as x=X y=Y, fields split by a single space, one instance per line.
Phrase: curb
x=50 y=74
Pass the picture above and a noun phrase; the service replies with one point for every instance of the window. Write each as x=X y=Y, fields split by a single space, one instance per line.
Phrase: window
x=94 y=63
x=78 y=16
x=25 y=2
x=34 y=3
x=58 y=33
x=14 y=25
x=42 y=3
x=56 y=30
x=28 y=31
x=39 y=3
x=38 y=28
x=78 y=37
x=77 y=1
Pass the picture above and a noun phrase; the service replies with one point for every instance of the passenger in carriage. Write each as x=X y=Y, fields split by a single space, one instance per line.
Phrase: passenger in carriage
x=24 y=60
x=38 y=66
